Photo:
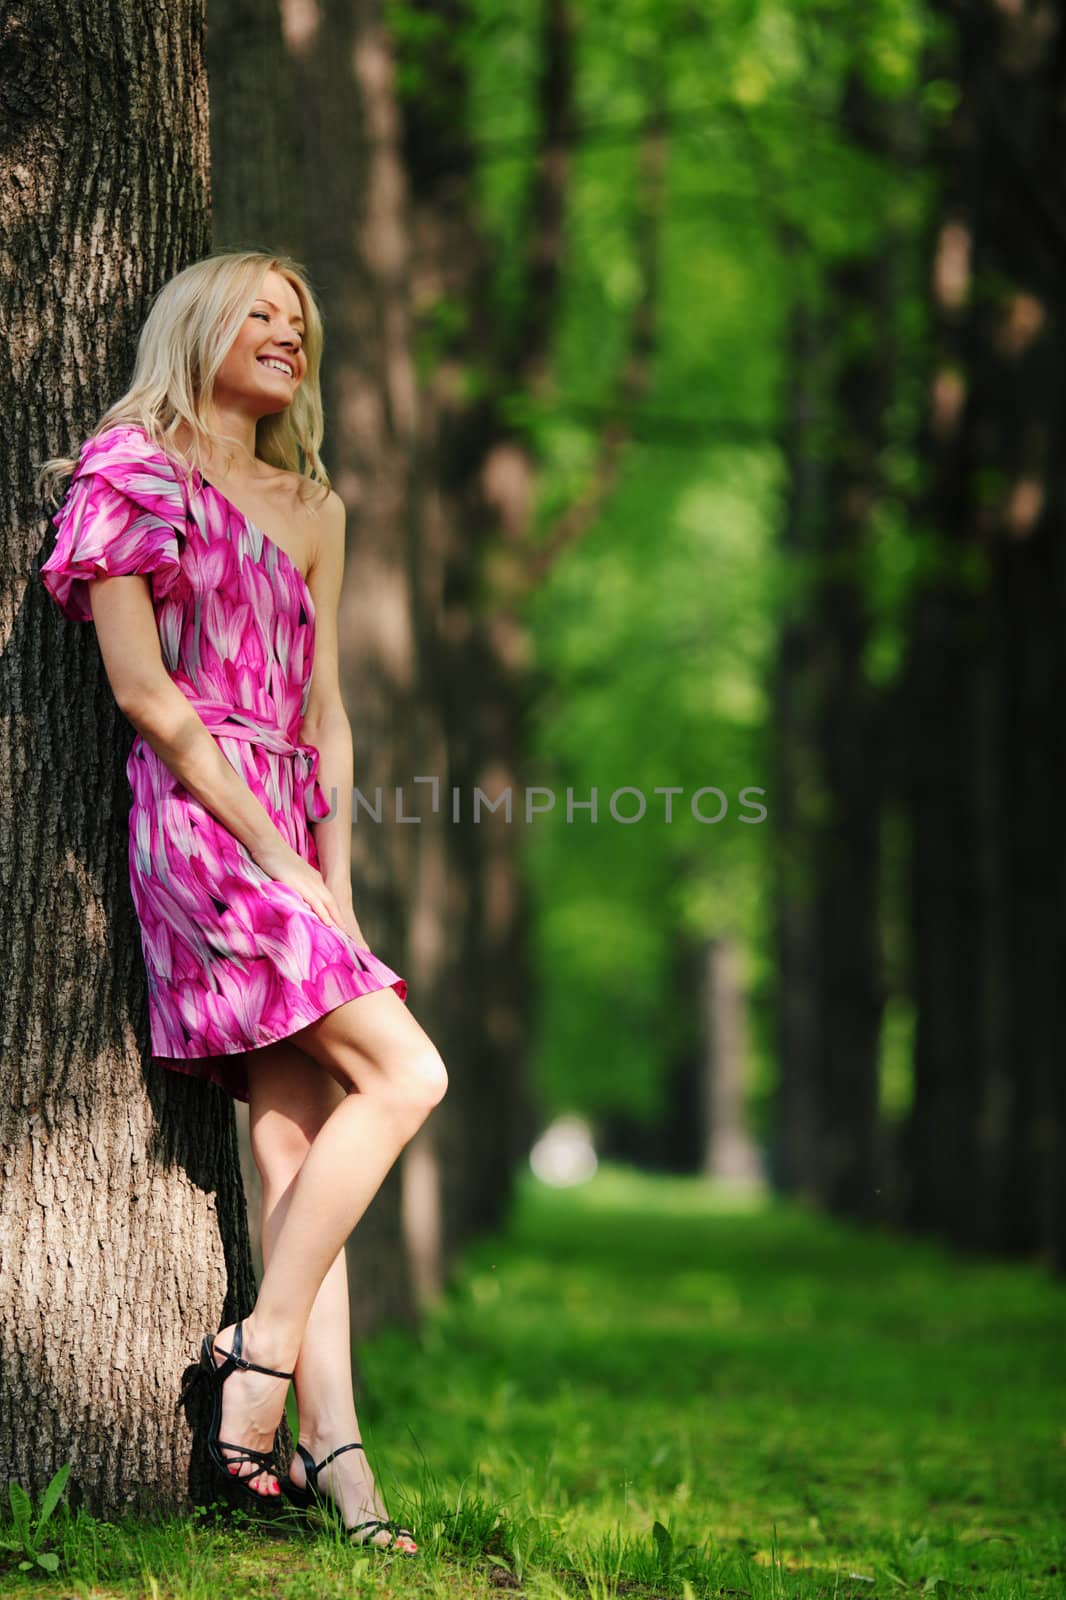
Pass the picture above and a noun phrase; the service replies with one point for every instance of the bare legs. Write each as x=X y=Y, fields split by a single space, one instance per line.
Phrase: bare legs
x=324 y=1141
x=291 y=1098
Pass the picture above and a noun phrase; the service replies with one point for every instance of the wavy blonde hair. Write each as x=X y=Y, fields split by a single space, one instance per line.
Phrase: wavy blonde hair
x=191 y=324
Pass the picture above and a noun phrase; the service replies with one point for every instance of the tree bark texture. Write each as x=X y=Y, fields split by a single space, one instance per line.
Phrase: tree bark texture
x=123 y=1235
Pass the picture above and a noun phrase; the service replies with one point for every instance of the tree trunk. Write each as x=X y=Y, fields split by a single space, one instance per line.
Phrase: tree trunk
x=861 y=303
x=729 y=1152
x=124 y=1235
x=832 y=779
x=478 y=559
x=988 y=664
x=255 y=181
x=797 y=1016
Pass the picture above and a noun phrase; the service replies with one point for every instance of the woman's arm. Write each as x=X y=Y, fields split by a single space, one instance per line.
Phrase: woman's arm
x=325 y=723
x=333 y=835
x=149 y=698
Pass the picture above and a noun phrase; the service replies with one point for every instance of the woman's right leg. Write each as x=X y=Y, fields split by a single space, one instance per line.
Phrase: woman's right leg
x=392 y=1076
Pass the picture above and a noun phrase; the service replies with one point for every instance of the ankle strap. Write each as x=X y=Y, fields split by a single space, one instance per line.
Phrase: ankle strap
x=327 y=1459
x=243 y=1362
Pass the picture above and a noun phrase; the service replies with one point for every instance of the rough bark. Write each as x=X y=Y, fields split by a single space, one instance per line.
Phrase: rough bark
x=124 y=1237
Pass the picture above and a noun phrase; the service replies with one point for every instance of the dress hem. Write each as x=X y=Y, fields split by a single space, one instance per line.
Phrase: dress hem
x=235 y=1081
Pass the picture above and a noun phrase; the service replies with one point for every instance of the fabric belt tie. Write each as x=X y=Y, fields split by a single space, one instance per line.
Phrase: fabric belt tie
x=233 y=722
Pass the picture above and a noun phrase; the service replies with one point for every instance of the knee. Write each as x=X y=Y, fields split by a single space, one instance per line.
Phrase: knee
x=280 y=1148
x=417 y=1086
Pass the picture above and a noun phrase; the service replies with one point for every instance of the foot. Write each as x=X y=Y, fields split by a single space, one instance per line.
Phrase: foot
x=350 y=1482
x=252 y=1405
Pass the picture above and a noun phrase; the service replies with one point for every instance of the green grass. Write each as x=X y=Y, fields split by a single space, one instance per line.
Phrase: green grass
x=649 y=1388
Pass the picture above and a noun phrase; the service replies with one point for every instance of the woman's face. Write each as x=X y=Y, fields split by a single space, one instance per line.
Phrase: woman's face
x=266 y=361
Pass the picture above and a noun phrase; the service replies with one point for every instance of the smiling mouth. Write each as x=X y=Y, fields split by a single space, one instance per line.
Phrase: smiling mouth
x=277 y=364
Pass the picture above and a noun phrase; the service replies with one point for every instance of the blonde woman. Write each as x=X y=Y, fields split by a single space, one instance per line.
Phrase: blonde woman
x=200 y=535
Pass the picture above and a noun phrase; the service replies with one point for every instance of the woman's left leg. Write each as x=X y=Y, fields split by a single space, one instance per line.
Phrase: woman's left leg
x=290 y=1097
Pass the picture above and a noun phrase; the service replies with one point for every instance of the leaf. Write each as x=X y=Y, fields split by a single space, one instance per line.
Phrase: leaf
x=664 y=1544
x=49 y=1561
x=50 y=1498
x=21 y=1509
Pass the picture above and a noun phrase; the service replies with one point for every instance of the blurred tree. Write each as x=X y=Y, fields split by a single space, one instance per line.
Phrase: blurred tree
x=987 y=659
x=256 y=188
x=474 y=488
x=830 y=731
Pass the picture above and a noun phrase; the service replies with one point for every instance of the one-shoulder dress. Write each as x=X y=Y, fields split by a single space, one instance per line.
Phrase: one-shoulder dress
x=234 y=959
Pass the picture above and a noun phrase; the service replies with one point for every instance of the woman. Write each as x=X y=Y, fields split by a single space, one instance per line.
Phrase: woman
x=201 y=537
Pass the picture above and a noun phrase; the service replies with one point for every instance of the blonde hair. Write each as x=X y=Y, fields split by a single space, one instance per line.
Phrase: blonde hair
x=191 y=324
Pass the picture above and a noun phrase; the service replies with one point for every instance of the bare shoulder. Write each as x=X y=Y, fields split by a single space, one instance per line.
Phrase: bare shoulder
x=330 y=510
x=328 y=516
x=320 y=516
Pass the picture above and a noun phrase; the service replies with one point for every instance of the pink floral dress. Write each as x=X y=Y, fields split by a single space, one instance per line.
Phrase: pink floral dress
x=234 y=958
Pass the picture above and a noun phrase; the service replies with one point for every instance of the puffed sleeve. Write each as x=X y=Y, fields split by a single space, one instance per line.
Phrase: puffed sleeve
x=124 y=513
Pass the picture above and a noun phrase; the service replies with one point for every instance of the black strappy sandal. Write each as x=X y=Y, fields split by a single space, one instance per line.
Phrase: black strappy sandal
x=307 y=1495
x=215 y=1376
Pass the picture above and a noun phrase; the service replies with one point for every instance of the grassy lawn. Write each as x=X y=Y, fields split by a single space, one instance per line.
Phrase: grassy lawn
x=651 y=1388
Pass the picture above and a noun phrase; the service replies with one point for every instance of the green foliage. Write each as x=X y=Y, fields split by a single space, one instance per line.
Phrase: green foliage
x=655 y=633
x=793 y=147
x=29 y=1525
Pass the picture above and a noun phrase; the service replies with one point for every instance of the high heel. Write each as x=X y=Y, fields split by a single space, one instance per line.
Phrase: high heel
x=208 y=1371
x=307 y=1495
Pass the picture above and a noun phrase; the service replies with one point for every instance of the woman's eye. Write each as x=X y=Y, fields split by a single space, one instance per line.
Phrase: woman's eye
x=261 y=314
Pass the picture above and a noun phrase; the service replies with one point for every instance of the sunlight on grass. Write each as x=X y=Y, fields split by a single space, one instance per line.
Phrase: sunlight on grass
x=651 y=1385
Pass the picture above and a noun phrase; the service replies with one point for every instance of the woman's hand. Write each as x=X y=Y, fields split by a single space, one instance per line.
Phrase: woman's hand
x=342 y=893
x=350 y=924
x=285 y=865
